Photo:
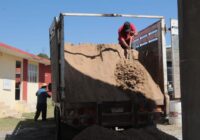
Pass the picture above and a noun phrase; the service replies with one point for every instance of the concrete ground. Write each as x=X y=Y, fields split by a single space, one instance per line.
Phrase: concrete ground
x=173 y=130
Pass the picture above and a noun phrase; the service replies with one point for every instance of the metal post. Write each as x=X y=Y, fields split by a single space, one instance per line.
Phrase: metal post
x=175 y=59
x=189 y=30
x=164 y=54
x=112 y=15
x=164 y=59
x=62 y=59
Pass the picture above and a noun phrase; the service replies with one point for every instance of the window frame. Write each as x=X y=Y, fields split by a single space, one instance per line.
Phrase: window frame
x=32 y=73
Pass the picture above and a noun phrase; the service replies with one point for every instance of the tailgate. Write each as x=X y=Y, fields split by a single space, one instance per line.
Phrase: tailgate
x=113 y=114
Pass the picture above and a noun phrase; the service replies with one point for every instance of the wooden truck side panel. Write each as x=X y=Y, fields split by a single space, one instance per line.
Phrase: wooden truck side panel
x=149 y=44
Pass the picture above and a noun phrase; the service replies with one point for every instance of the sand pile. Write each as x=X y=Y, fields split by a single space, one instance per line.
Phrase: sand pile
x=95 y=72
x=133 y=77
x=130 y=75
x=89 y=73
x=100 y=133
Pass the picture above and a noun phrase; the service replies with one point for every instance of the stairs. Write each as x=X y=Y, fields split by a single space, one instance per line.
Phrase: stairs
x=6 y=111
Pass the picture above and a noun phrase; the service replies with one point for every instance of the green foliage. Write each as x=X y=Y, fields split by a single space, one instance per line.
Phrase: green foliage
x=43 y=55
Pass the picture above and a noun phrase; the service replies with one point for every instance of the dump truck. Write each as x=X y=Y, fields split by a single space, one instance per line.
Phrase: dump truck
x=84 y=89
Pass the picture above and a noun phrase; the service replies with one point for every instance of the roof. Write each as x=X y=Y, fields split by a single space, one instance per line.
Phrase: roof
x=4 y=48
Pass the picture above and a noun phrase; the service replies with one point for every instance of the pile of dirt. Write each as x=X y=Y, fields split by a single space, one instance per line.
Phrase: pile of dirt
x=131 y=76
x=95 y=72
x=89 y=73
x=101 y=133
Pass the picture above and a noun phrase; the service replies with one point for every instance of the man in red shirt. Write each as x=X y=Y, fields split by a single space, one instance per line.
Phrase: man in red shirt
x=126 y=36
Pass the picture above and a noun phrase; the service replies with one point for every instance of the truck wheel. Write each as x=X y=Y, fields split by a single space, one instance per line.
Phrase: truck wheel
x=58 y=124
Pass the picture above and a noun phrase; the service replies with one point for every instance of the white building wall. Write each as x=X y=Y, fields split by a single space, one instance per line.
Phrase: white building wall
x=31 y=97
x=7 y=71
x=31 y=91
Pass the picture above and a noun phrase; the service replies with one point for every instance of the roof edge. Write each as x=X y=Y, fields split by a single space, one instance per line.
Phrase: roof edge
x=29 y=55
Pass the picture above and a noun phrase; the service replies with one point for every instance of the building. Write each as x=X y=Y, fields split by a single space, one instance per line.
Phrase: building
x=169 y=65
x=170 y=72
x=21 y=74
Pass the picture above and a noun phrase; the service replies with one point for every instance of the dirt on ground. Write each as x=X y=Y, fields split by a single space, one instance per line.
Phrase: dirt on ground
x=100 y=72
x=30 y=130
x=101 y=133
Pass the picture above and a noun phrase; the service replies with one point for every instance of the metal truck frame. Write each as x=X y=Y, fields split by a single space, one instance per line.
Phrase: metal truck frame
x=103 y=117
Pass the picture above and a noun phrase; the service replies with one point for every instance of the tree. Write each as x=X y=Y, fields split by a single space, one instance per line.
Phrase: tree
x=43 y=55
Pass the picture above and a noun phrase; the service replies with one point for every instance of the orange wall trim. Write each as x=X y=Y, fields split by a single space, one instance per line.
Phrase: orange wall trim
x=25 y=79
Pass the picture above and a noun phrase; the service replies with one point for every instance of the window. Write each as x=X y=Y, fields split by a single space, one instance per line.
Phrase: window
x=169 y=72
x=32 y=73
x=17 y=80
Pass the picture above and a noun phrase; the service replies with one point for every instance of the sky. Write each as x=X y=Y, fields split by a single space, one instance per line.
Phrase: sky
x=24 y=24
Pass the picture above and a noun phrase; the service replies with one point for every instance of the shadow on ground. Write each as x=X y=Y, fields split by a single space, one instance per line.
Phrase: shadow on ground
x=31 y=130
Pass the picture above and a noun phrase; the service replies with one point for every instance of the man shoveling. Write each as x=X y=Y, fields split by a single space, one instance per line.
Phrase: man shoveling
x=126 y=35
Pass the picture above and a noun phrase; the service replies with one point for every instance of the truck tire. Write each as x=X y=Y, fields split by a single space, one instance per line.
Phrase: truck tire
x=58 y=124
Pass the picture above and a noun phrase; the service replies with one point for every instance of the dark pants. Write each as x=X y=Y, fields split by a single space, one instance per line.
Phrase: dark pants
x=125 y=50
x=41 y=108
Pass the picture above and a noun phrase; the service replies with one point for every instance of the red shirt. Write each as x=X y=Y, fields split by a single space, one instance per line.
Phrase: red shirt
x=123 y=35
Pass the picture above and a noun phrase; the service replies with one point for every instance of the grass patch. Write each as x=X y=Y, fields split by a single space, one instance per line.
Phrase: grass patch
x=50 y=111
x=9 y=124
x=28 y=115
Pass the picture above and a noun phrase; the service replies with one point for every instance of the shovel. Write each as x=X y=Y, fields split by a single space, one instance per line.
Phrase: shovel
x=129 y=52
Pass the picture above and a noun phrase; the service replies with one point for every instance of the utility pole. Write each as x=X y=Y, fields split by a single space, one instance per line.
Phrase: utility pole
x=189 y=34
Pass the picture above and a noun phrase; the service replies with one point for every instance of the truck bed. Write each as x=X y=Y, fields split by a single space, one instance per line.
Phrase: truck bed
x=90 y=75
